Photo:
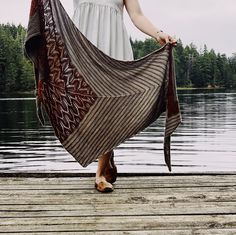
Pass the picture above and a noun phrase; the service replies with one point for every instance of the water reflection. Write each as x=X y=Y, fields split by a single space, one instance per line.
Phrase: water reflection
x=204 y=142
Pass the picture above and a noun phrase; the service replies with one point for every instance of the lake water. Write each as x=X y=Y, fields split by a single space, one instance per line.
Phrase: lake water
x=204 y=142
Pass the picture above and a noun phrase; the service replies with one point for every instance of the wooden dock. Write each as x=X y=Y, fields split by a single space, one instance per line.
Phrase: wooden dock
x=155 y=205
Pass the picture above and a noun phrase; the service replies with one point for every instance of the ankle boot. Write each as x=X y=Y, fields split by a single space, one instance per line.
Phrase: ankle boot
x=111 y=170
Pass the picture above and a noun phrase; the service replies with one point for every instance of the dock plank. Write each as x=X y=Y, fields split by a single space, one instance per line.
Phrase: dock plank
x=31 y=211
x=118 y=223
x=147 y=232
x=71 y=197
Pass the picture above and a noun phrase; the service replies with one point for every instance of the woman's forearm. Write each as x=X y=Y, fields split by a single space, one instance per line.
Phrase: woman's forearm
x=144 y=25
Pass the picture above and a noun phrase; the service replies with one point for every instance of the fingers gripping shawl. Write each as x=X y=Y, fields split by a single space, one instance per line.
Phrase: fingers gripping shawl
x=94 y=102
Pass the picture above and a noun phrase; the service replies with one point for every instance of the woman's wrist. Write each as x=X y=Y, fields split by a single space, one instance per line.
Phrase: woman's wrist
x=158 y=32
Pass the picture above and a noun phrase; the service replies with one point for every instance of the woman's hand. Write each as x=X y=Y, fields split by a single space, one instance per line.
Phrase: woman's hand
x=164 y=38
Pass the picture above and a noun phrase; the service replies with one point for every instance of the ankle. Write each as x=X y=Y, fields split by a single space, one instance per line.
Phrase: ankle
x=99 y=179
x=99 y=174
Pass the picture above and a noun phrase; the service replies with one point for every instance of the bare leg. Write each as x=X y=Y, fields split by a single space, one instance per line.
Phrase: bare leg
x=101 y=184
x=103 y=161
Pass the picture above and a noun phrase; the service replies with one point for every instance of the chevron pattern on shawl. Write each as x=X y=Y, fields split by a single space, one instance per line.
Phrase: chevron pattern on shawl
x=93 y=101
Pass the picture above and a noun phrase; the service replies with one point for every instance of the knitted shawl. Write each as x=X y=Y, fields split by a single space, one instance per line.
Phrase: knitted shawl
x=94 y=102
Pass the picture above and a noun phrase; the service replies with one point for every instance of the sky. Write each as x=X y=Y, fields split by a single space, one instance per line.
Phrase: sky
x=210 y=22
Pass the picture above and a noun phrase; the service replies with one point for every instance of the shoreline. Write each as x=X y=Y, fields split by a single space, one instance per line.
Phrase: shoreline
x=33 y=92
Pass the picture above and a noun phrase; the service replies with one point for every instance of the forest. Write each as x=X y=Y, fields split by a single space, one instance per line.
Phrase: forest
x=195 y=68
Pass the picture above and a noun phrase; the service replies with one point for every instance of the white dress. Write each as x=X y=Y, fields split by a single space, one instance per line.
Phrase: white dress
x=101 y=21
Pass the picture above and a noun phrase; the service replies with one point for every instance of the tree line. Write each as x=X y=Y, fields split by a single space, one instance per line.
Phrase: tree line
x=16 y=71
x=194 y=68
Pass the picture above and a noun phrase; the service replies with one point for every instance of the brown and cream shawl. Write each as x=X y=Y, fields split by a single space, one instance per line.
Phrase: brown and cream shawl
x=94 y=102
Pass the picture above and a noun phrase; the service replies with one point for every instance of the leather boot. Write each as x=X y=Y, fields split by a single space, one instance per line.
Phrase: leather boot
x=111 y=170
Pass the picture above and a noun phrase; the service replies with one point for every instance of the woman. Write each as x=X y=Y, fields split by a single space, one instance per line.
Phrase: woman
x=101 y=21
